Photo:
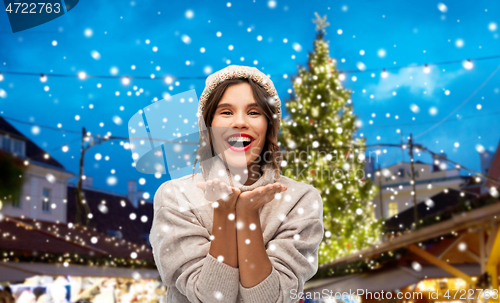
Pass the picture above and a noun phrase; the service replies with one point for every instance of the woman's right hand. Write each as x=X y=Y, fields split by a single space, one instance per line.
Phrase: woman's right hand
x=223 y=195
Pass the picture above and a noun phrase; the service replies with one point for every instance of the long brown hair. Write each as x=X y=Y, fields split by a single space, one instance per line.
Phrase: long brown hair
x=271 y=148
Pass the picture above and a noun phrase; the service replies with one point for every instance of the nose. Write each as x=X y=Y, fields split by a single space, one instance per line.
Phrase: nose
x=240 y=120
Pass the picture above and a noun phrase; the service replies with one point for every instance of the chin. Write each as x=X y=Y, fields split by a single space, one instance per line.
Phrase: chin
x=239 y=159
x=236 y=161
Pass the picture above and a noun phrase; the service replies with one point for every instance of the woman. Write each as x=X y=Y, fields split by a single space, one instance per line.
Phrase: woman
x=258 y=241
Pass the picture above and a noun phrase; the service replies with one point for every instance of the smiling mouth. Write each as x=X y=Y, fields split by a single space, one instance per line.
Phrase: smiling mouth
x=237 y=143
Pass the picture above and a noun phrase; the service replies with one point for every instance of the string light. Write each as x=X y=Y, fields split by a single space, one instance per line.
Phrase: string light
x=468 y=64
x=342 y=243
x=43 y=78
x=125 y=80
x=427 y=69
x=384 y=74
x=169 y=79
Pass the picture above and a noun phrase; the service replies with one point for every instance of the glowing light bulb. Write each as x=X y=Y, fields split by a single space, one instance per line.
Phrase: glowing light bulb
x=468 y=64
x=384 y=74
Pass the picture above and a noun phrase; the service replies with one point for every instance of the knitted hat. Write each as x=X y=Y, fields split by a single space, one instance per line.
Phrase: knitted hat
x=234 y=72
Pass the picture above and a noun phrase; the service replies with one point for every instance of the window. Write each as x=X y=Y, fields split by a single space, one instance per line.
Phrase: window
x=18 y=147
x=12 y=145
x=372 y=206
x=401 y=173
x=46 y=200
x=16 y=202
x=393 y=209
x=5 y=143
x=115 y=233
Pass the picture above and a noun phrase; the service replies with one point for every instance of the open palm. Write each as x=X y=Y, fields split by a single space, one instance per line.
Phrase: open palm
x=219 y=192
x=254 y=199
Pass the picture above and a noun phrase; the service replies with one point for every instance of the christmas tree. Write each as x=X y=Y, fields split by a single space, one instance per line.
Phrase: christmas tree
x=321 y=125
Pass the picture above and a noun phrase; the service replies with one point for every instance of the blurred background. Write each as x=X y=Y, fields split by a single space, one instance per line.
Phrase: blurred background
x=426 y=70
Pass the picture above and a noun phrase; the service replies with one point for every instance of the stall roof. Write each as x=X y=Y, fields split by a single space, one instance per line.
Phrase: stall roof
x=36 y=237
x=116 y=216
x=477 y=217
x=443 y=202
x=33 y=151
x=19 y=271
x=386 y=279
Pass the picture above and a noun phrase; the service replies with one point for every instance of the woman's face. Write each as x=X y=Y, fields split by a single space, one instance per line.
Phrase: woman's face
x=239 y=126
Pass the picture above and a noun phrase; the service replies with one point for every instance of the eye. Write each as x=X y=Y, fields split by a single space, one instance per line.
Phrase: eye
x=227 y=112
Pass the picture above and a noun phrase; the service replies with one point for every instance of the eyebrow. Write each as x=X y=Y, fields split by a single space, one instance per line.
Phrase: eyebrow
x=230 y=105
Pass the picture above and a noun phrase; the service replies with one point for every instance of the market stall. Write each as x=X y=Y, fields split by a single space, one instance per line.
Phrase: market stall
x=71 y=263
x=459 y=255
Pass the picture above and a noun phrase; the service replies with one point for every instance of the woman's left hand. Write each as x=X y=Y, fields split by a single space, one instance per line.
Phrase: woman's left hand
x=254 y=199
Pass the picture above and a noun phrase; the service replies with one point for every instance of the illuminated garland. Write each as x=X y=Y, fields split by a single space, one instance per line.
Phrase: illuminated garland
x=66 y=259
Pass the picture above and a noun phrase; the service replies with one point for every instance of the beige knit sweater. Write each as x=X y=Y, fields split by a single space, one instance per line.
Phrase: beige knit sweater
x=180 y=236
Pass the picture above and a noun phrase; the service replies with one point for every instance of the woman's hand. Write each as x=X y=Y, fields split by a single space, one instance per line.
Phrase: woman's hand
x=254 y=199
x=223 y=196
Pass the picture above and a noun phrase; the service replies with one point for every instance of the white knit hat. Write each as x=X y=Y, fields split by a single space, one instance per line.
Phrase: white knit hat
x=234 y=72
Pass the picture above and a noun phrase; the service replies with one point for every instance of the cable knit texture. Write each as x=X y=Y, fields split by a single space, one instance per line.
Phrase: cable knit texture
x=292 y=229
x=237 y=72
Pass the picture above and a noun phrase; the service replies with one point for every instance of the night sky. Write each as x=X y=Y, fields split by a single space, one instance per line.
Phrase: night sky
x=195 y=39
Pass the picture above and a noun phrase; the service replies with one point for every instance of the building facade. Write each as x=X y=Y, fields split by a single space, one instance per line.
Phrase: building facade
x=44 y=190
x=396 y=186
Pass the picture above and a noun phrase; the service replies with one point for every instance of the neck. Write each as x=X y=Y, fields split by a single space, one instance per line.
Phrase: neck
x=253 y=174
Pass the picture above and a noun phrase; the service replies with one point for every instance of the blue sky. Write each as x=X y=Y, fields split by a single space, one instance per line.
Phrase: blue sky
x=102 y=38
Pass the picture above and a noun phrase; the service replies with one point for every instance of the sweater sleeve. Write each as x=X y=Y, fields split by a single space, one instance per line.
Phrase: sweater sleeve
x=293 y=253
x=181 y=247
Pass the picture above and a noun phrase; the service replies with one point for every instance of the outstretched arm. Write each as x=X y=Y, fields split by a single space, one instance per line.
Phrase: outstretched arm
x=275 y=272
x=254 y=263
x=223 y=247
x=181 y=245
